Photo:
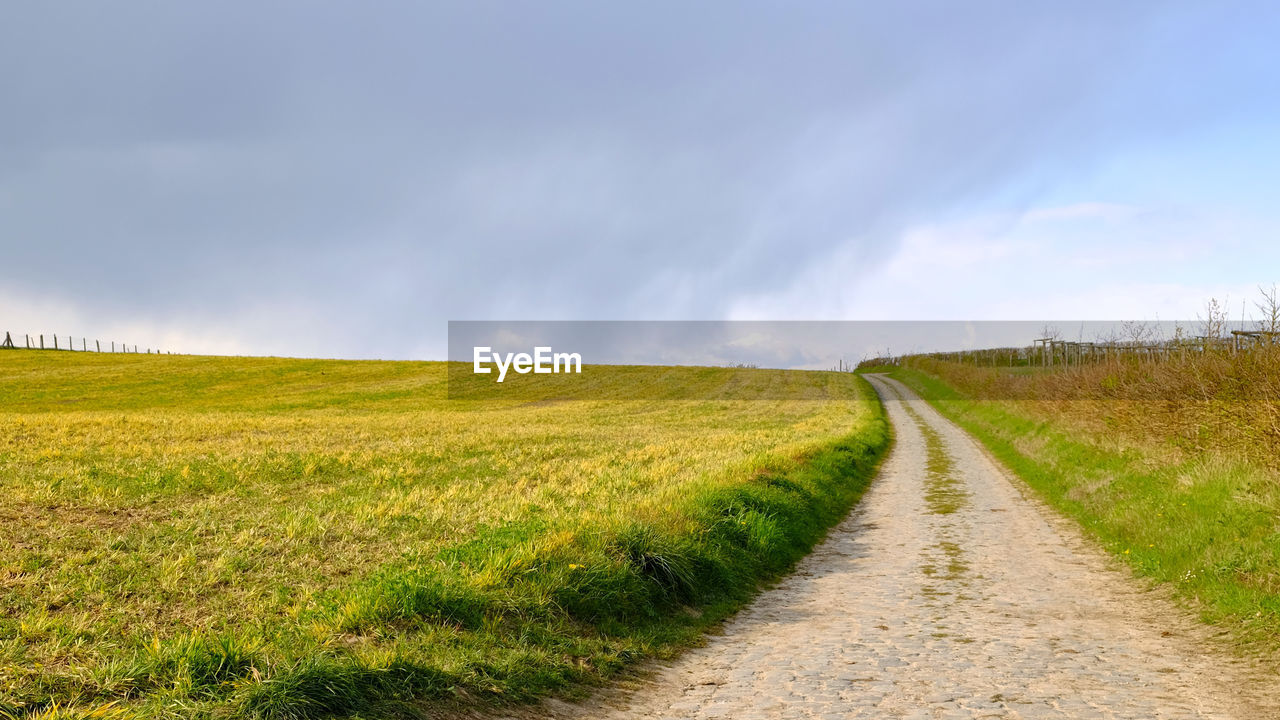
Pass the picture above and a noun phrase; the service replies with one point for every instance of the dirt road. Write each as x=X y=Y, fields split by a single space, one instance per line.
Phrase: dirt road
x=950 y=593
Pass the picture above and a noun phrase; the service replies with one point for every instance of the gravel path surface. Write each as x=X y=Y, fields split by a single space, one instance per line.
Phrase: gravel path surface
x=949 y=593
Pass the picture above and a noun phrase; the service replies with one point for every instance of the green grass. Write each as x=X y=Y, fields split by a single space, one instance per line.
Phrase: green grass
x=876 y=369
x=205 y=537
x=1206 y=524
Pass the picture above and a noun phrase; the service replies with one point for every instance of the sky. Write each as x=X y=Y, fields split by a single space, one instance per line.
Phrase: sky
x=342 y=179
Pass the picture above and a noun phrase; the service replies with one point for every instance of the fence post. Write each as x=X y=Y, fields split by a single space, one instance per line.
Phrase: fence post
x=98 y=344
x=55 y=341
x=41 y=341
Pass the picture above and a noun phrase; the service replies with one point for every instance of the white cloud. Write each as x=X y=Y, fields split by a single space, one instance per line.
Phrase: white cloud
x=1042 y=263
x=1084 y=210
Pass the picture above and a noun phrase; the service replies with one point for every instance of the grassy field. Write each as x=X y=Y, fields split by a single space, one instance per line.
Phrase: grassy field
x=270 y=538
x=1194 y=509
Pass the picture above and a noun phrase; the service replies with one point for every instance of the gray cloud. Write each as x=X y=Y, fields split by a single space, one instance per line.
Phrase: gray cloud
x=340 y=179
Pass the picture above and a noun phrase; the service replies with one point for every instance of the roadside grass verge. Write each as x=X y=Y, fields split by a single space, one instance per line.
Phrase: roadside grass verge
x=268 y=538
x=1206 y=523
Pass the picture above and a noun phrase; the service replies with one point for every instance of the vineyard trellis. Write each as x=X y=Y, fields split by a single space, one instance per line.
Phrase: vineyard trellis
x=1052 y=352
x=1139 y=341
